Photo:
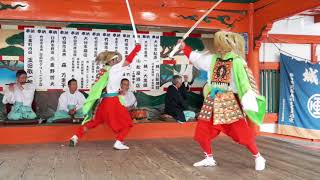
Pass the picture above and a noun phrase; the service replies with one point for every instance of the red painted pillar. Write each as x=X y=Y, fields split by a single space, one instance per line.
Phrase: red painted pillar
x=253 y=56
x=314 y=58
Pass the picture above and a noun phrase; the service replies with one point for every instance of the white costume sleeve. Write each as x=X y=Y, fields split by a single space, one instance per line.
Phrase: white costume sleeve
x=28 y=94
x=201 y=60
x=115 y=76
x=8 y=97
x=63 y=102
x=249 y=101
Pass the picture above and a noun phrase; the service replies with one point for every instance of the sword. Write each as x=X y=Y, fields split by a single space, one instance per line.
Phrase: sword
x=176 y=48
x=132 y=23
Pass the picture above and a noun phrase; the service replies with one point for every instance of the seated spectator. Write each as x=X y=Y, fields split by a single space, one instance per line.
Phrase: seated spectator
x=129 y=98
x=70 y=103
x=130 y=101
x=175 y=105
x=21 y=95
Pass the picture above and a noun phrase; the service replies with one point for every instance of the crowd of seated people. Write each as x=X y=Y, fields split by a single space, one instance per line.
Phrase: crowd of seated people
x=19 y=100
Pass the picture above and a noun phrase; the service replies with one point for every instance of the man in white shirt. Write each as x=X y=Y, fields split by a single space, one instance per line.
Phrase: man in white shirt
x=186 y=82
x=21 y=95
x=130 y=99
x=70 y=103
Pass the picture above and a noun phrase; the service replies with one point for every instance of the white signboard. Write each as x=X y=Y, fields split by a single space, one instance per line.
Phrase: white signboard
x=54 y=56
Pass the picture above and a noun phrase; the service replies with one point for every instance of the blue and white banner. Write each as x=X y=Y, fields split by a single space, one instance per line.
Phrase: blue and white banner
x=299 y=109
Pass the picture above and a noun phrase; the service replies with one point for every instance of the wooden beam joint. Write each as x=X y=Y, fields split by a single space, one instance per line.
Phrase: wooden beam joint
x=316 y=18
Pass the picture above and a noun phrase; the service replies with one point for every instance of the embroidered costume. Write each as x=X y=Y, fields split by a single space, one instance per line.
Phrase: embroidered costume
x=231 y=94
x=110 y=109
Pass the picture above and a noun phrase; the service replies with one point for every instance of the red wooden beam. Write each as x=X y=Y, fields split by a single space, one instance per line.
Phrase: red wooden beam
x=292 y=39
x=268 y=11
x=263 y=35
x=280 y=9
x=30 y=134
x=262 y=3
x=178 y=13
x=200 y=5
x=271 y=118
x=269 y=66
x=317 y=18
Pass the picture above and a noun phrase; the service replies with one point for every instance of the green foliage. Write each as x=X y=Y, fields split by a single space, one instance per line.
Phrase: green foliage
x=11 y=51
x=195 y=43
x=101 y=26
x=16 y=39
x=166 y=73
x=169 y=41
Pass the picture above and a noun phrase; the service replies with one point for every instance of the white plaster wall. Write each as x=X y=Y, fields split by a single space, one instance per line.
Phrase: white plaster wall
x=300 y=25
x=269 y=128
x=295 y=25
x=269 y=52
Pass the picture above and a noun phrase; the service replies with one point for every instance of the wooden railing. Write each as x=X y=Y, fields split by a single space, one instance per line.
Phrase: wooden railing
x=270 y=88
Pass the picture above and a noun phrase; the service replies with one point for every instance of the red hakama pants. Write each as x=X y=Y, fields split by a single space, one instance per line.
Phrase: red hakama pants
x=239 y=131
x=111 y=112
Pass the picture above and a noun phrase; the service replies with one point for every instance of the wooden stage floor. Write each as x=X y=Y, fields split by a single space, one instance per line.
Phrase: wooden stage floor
x=157 y=159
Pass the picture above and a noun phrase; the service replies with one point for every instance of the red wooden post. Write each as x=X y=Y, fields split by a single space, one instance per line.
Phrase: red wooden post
x=314 y=58
x=253 y=55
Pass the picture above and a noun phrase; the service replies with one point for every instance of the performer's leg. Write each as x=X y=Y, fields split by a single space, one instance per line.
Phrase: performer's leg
x=205 y=132
x=89 y=125
x=241 y=133
x=119 y=120
x=98 y=119
x=123 y=134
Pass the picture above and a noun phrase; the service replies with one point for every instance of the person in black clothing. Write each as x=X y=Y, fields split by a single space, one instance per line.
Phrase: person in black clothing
x=174 y=102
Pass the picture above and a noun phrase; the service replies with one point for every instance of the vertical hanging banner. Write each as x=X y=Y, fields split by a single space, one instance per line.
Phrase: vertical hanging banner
x=299 y=113
x=143 y=66
x=30 y=54
x=42 y=57
x=128 y=46
x=155 y=64
x=64 y=59
x=51 y=59
x=54 y=56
